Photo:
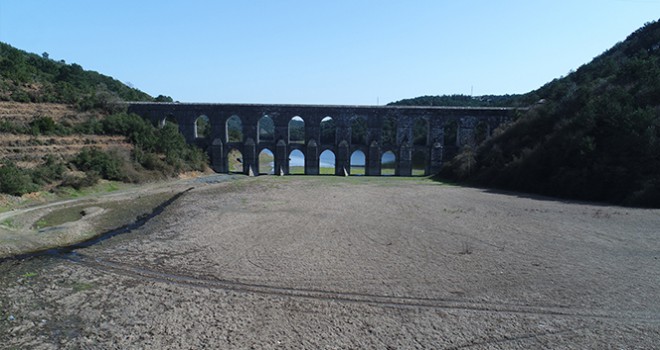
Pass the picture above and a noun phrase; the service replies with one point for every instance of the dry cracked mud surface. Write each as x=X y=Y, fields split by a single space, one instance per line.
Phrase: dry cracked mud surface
x=349 y=263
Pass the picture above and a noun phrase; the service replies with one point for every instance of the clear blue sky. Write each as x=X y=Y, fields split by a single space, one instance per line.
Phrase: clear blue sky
x=324 y=52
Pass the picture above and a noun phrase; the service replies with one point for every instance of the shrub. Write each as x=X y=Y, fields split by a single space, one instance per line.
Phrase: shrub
x=12 y=128
x=42 y=126
x=14 y=180
x=152 y=161
x=91 y=127
x=77 y=182
x=196 y=159
x=462 y=165
x=47 y=126
x=106 y=164
x=648 y=196
x=51 y=170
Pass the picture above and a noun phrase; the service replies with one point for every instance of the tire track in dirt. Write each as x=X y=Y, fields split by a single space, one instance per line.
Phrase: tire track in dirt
x=143 y=273
x=517 y=338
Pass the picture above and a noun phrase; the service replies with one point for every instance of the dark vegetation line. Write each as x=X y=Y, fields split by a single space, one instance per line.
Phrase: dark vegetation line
x=465 y=101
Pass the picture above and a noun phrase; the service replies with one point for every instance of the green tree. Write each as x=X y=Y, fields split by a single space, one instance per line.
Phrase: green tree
x=15 y=181
x=163 y=98
x=106 y=164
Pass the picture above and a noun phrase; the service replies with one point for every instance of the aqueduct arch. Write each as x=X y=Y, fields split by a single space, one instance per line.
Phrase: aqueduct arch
x=374 y=130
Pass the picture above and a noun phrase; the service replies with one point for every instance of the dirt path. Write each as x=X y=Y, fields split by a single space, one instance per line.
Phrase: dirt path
x=343 y=263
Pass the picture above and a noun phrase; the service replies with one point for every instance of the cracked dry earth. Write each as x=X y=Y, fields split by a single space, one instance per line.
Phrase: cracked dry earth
x=336 y=263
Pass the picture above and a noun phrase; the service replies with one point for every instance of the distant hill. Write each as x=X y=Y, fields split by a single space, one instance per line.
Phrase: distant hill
x=27 y=77
x=462 y=101
x=594 y=135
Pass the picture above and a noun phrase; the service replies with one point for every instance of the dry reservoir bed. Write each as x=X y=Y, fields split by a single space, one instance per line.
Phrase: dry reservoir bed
x=346 y=263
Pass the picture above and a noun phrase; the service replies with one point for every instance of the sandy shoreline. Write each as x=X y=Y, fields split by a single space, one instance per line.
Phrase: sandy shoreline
x=325 y=262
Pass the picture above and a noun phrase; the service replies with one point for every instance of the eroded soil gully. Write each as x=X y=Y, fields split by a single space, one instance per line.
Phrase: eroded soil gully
x=68 y=251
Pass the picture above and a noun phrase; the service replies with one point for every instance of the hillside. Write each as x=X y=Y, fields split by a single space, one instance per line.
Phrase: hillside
x=29 y=149
x=595 y=135
x=34 y=87
x=62 y=126
x=463 y=101
x=27 y=77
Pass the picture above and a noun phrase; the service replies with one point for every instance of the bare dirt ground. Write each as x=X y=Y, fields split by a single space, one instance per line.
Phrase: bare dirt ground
x=349 y=263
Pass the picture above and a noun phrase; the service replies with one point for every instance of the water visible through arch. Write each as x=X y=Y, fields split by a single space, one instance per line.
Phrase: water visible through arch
x=327 y=163
x=296 y=162
x=388 y=163
x=358 y=163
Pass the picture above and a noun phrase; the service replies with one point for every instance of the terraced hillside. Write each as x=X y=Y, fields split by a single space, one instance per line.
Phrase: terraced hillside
x=27 y=150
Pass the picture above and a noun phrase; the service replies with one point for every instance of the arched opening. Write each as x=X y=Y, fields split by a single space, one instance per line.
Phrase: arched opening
x=234 y=129
x=296 y=130
x=451 y=147
x=359 y=131
x=388 y=130
x=388 y=163
x=328 y=131
x=266 y=162
x=266 y=129
x=420 y=132
x=451 y=129
x=296 y=162
x=358 y=163
x=327 y=163
x=235 y=161
x=202 y=127
x=170 y=119
x=419 y=162
x=481 y=132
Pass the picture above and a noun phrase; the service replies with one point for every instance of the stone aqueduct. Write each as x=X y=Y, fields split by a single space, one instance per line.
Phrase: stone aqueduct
x=464 y=121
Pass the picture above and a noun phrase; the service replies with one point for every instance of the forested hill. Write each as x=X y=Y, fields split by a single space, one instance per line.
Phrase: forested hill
x=462 y=101
x=594 y=135
x=80 y=134
x=27 y=77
